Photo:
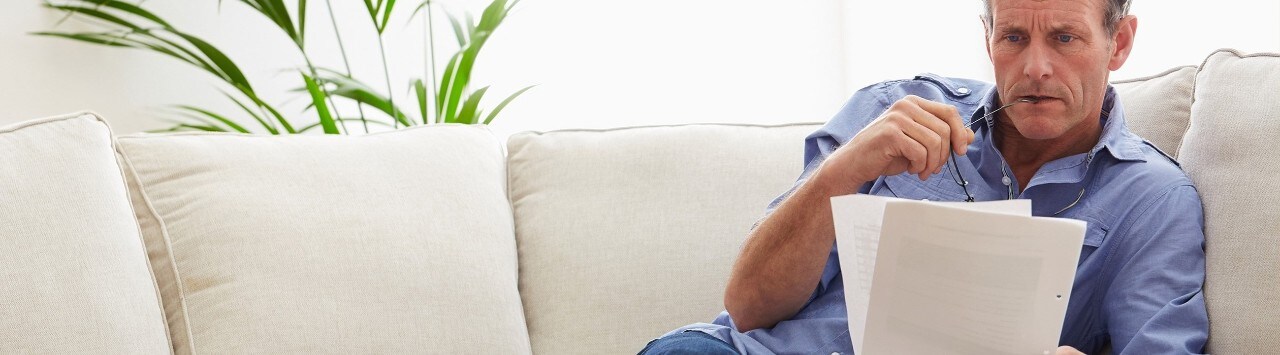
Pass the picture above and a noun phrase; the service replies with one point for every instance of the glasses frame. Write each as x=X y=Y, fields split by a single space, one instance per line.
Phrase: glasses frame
x=959 y=179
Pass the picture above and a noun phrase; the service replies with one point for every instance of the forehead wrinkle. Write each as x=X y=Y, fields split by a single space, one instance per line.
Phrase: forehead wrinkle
x=1046 y=15
x=1052 y=21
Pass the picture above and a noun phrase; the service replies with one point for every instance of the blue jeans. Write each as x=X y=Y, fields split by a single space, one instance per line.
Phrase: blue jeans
x=688 y=343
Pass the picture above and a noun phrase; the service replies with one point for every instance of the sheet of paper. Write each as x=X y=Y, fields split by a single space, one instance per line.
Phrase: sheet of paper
x=857 y=224
x=964 y=278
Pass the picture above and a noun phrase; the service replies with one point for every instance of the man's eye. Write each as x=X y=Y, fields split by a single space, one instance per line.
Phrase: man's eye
x=1013 y=38
x=1065 y=38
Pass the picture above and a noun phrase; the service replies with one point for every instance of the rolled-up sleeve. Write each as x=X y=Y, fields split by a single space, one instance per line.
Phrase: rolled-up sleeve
x=1155 y=304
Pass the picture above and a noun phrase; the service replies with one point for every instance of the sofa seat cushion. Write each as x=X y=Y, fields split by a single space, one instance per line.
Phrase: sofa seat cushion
x=1229 y=153
x=73 y=272
x=625 y=234
x=397 y=242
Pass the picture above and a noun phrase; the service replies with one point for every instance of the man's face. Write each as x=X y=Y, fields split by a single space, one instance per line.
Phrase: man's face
x=1058 y=51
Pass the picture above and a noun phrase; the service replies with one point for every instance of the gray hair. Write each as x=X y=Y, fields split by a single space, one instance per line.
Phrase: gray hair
x=1116 y=10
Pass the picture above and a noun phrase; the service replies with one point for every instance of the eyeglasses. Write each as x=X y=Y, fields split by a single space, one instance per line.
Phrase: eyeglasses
x=964 y=184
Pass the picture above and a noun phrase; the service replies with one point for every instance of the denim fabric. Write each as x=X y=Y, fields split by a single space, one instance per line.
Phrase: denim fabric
x=1138 y=284
x=688 y=343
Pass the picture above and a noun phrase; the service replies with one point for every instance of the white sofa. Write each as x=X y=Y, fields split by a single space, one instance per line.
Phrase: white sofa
x=436 y=240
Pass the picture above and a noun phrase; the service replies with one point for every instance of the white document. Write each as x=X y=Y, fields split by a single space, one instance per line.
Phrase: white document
x=964 y=278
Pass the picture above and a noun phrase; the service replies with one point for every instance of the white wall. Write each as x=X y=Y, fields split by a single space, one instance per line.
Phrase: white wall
x=622 y=63
x=597 y=63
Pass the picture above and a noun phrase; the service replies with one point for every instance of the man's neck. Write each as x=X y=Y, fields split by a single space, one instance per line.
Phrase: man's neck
x=1025 y=156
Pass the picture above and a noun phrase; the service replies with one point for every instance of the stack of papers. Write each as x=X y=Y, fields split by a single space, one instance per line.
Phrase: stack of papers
x=954 y=277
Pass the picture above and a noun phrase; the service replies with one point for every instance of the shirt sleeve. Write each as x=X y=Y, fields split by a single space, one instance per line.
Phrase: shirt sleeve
x=1155 y=304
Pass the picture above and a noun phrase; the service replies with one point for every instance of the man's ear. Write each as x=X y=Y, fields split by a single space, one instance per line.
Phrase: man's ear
x=1123 y=42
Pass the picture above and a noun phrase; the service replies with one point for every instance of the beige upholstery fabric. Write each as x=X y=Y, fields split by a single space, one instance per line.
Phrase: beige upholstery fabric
x=398 y=242
x=1158 y=107
x=73 y=271
x=1230 y=155
x=626 y=234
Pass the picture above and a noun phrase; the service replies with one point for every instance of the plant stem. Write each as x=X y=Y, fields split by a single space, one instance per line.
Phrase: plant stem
x=265 y=114
x=346 y=63
x=431 y=46
x=386 y=73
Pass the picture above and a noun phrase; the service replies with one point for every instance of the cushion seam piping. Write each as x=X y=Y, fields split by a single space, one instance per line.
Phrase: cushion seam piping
x=54 y=119
x=168 y=245
x=155 y=285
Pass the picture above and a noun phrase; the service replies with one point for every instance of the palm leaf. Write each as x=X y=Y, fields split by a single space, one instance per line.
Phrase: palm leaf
x=133 y=9
x=468 y=113
x=231 y=72
x=458 y=78
x=322 y=108
x=312 y=126
x=350 y=88
x=504 y=103
x=93 y=12
x=458 y=31
x=274 y=113
x=386 y=14
x=420 y=92
x=201 y=128
x=198 y=112
x=443 y=91
x=95 y=38
x=270 y=128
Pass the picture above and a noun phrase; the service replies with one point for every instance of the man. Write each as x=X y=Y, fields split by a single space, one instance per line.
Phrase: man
x=1138 y=285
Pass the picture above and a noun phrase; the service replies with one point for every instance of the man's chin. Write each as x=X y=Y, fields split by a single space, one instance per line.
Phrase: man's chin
x=1040 y=128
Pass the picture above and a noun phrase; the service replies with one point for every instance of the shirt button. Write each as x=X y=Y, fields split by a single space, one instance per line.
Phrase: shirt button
x=835 y=353
x=963 y=91
x=1005 y=180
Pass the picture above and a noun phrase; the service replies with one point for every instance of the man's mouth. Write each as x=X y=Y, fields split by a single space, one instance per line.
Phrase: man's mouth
x=1034 y=99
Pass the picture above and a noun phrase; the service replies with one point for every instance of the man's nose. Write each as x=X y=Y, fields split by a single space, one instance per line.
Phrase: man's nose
x=1038 y=63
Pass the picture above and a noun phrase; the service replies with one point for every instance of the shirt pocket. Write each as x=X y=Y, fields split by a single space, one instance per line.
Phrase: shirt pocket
x=910 y=187
x=1094 y=234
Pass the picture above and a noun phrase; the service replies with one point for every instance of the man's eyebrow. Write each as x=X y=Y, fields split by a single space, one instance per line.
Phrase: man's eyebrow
x=1008 y=28
x=1069 y=27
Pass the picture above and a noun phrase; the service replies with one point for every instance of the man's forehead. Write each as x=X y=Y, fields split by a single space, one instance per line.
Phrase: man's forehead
x=1083 y=7
x=1063 y=13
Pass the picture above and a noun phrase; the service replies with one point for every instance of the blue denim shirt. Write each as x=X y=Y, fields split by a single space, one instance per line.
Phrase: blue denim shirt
x=1138 y=286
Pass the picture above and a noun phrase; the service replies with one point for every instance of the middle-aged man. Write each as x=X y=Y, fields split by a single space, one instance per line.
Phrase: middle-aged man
x=1138 y=285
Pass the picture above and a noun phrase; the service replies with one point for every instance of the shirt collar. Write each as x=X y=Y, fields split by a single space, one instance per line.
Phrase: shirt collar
x=1116 y=139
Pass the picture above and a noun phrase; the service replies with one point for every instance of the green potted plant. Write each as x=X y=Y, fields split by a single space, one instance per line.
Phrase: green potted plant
x=445 y=98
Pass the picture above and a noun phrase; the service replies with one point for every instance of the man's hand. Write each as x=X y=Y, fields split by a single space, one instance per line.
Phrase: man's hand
x=914 y=134
x=1067 y=350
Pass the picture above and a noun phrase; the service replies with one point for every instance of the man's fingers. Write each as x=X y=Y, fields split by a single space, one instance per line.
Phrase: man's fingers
x=960 y=136
x=944 y=111
x=940 y=128
x=929 y=143
x=913 y=152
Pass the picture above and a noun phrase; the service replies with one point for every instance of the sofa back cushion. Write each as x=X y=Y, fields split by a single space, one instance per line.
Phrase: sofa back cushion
x=626 y=234
x=73 y=275
x=1229 y=153
x=397 y=242
x=1158 y=107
